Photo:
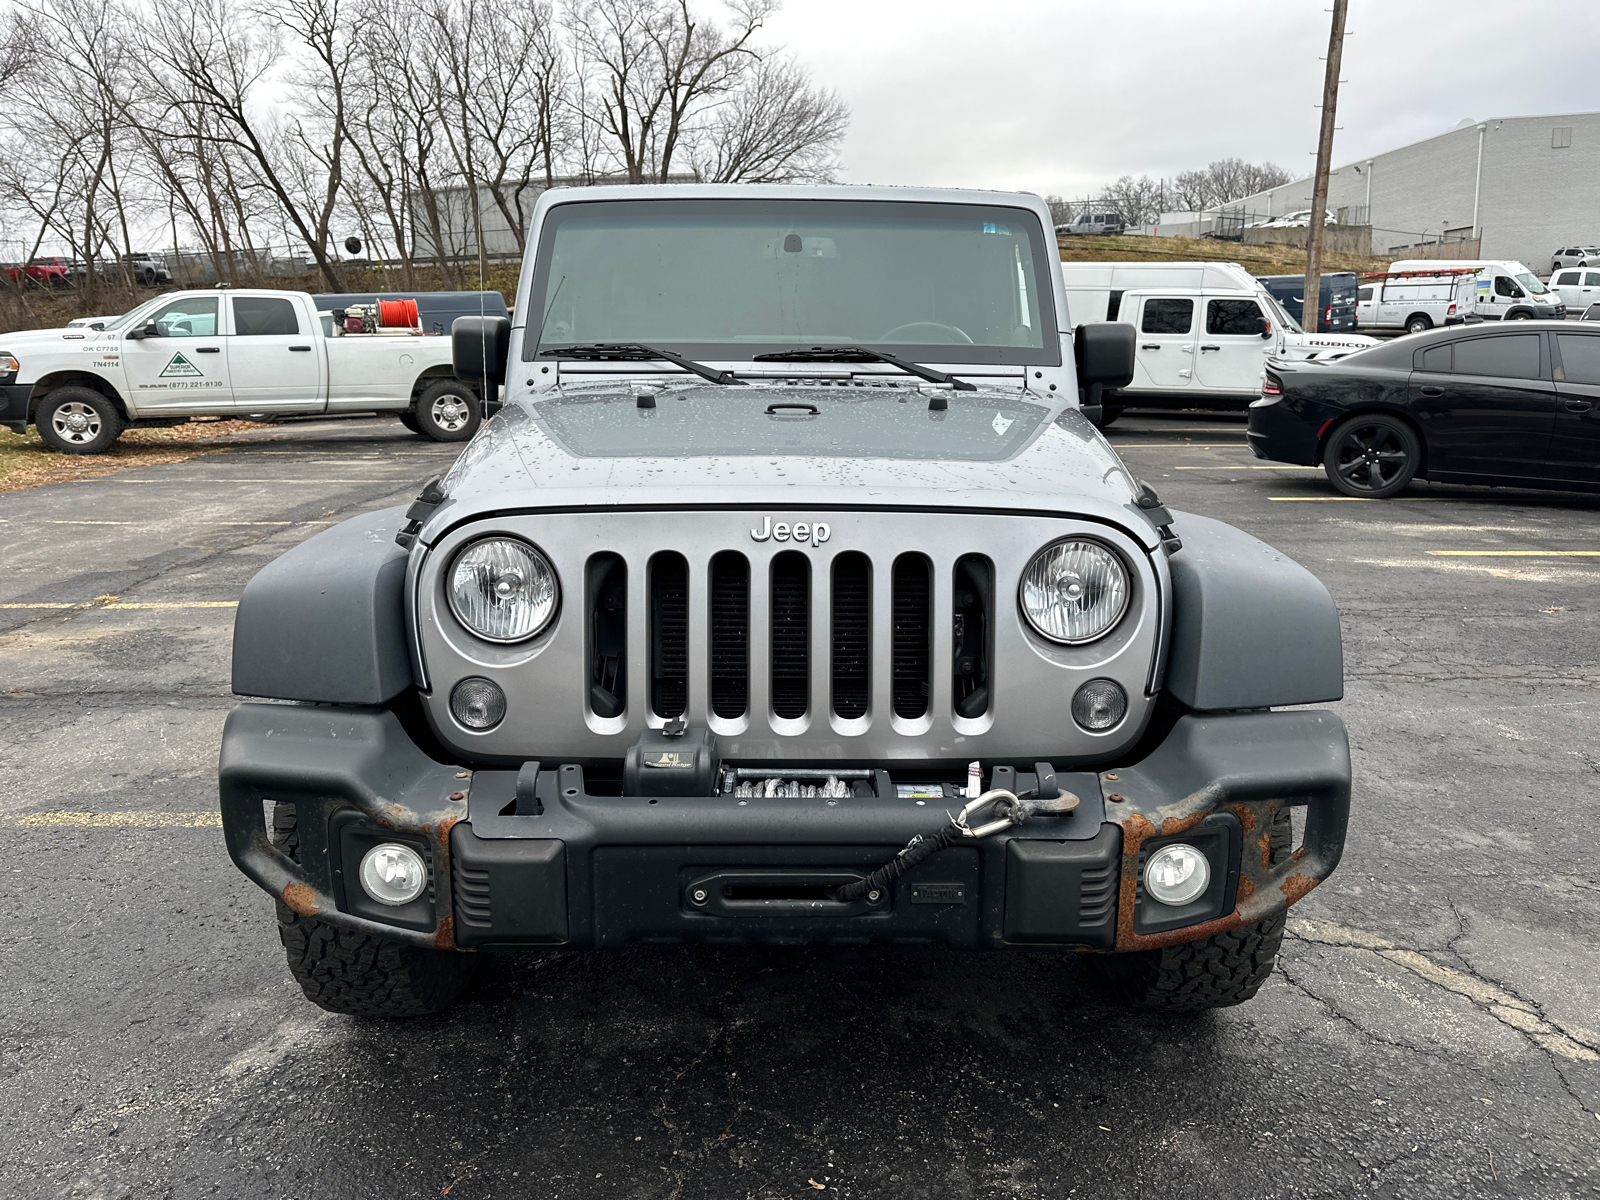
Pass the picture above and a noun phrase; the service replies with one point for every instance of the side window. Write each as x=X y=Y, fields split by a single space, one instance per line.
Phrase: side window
x=1234 y=317
x=1580 y=357
x=1434 y=358
x=1592 y=279
x=264 y=316
x=1568 y=277
x=1503 y=286
x=195 y=316
x=1365 y=294
x=1167 y=316
x=1512 y=357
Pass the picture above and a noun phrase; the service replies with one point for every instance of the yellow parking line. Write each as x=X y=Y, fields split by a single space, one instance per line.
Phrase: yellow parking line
x=1517 y=553
x=123 y=820
x=129 y=604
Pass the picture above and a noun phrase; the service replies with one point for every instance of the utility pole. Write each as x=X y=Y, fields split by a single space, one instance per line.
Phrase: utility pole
x=1312 y=307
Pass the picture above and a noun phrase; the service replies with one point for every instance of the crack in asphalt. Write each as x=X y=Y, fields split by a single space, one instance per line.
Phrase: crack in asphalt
x=1489 y=995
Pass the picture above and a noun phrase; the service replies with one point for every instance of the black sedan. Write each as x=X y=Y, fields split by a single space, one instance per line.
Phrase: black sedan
x=1514 y=405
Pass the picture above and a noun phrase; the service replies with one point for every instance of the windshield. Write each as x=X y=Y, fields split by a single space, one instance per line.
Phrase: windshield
x=729 y=279
x=1531 y=282
x=1289 y=322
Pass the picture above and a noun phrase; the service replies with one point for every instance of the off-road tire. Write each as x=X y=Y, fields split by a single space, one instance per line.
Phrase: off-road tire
x=61 y=412
x=357 y=974
x=448 y=411
x=1214 y=972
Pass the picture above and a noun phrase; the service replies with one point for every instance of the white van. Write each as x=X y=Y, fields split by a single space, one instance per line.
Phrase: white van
x=1506 y=290
x=1416 y=300
x=1204 y=330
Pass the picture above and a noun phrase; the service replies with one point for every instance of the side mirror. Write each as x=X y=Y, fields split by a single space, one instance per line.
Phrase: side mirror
x=1103 y=354
x=148 y=331
x=479 y=347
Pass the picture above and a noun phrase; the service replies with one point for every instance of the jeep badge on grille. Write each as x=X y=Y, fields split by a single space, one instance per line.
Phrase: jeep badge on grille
x=815 y=532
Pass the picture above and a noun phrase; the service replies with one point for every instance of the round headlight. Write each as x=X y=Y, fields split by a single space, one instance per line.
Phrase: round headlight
x=393 y=874
x=1176 y=874
x=503 y=590
x=478 y=703
x=1074 y=591
x=1099 y=705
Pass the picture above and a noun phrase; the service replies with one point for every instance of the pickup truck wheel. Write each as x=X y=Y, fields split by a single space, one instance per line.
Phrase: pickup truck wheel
x=448 y=411
x=409 y=420
x=358 y=974
x=1215 y=972
x=78 y=420
x=1419 y=324
x=1108 y=414
x=1372 y=456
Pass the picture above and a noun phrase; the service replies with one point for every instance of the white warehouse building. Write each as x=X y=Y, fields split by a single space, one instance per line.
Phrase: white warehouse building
x=1522 y=187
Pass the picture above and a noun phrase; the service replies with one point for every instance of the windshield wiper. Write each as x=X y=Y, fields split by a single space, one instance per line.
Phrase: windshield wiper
x=634 y=352
x=864 y=354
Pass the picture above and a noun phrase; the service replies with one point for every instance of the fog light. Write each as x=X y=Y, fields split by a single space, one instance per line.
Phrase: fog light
x=1099 y=705
x=478 y=703
x=1176 y=874
x=393 y=874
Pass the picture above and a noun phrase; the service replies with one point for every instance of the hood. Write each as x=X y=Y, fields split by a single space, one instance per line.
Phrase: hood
x=21 y=342
x=781 y=445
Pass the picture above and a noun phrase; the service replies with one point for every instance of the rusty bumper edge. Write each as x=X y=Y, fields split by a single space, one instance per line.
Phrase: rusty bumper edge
x=1251 y=765
x=327 y=757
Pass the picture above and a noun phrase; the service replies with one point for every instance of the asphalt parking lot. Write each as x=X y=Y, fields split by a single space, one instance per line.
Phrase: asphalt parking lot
x=1433 y=1029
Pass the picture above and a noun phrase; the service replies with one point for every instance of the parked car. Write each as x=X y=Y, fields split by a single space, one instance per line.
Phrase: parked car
x=1506 y=290
x=1204 y=330
x=1415 y=301
x=226 y=353
x=50 y=271
x=1575 y=256
x=1294 y=220
x=1592 y=313
x=753 y=583
x=1337 y=307
x=89 y=322
x=1577 y=288
x=1501 y=406
x=1094 y=223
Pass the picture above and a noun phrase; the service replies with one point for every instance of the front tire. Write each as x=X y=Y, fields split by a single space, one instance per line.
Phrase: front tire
x=1419 y=324
x=1108 y=414
x=1373 y=456
x=1214 y=972
x=359 y=974
x=78 y=420
x=448 y=411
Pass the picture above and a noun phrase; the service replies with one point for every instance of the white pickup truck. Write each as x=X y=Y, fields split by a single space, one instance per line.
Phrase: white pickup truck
x=227 y=352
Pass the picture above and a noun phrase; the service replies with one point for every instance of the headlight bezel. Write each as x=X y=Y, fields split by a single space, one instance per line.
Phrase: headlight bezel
x=1129 y=578
x=447 y=582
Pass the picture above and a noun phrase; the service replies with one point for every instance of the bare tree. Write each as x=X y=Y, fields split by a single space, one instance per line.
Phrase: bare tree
x=777 y=128
x=1226 y=180
x=1137 y=201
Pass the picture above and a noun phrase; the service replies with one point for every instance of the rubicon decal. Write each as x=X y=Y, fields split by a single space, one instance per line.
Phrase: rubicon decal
x=815 y=532
x=180 y=368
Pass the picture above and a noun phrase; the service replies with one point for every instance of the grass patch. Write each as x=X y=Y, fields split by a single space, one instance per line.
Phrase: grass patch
x=26 y=462
x=1258 y=260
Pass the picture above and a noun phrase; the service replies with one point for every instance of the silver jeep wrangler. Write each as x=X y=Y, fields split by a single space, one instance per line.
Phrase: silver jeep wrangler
x=791 y=597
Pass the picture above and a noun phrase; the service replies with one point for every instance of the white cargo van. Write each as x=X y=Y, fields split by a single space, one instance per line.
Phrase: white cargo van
x=1416 y=300
x=1204 y=330
x=1506 y=290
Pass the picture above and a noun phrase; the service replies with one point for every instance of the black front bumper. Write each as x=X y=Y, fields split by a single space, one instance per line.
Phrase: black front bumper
x=14 y=405
x=561 y=866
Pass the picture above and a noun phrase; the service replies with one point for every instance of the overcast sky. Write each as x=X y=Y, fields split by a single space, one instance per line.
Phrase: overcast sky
x=1063 y=96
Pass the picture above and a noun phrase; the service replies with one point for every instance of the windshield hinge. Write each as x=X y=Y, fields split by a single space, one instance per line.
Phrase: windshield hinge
x=431 y=496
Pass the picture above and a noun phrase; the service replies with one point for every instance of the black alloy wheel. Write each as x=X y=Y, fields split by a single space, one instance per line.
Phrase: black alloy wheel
x=1372 y=456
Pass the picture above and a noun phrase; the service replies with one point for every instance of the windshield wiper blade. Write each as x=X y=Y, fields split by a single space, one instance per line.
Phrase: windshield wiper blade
x=635 y=352
x=864 y=354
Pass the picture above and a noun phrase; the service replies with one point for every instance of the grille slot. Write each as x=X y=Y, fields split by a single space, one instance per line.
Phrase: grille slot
x=972 y=603
x=607 y=580
x=852 y=634
x=913 y=627
x=730 y=635
x=791 y=635
x=669 y=635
